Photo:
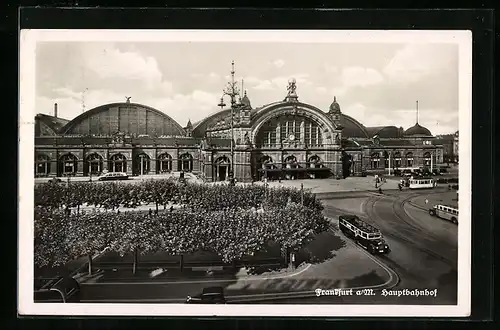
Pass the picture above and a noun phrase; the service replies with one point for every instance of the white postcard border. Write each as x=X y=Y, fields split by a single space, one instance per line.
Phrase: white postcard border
x=28 y=41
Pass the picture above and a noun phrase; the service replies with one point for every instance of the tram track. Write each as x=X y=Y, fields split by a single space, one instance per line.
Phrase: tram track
x=399 y=230
x=398 y=207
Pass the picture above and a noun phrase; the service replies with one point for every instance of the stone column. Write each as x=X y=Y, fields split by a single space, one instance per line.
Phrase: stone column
x=81 y=163
x=152 y=164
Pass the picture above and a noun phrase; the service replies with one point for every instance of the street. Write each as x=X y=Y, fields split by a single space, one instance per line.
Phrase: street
x=423 y=248
x=423 y=256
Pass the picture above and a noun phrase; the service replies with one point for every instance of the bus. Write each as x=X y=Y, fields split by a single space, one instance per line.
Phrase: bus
x=422 y=183
x=446 y=212
x=364 y=234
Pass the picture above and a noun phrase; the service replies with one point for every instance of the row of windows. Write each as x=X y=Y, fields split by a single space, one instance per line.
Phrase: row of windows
x=448 y=209
x=94 y=164
x=429 y=181
x=276 y=131
x=361 y=233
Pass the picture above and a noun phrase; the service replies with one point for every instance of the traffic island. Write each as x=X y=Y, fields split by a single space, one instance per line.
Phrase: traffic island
x=441 y=198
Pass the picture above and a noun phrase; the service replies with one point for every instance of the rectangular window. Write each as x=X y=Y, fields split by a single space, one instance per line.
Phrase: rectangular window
x=297 y=130
x=272 y=137
x=314 y=136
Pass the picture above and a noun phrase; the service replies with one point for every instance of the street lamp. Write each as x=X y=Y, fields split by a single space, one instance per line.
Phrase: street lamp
x=232 y=91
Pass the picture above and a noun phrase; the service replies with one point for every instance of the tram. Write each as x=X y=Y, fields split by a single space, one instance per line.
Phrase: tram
x=422 y=183
x=364 y=234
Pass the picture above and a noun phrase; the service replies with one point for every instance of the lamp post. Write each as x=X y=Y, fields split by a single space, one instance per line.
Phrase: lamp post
x=432 y=163
x=232 y=91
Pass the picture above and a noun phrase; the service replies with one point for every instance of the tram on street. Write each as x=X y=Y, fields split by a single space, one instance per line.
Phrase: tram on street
x=421 y=183
x=446 y=212
x=364 y=234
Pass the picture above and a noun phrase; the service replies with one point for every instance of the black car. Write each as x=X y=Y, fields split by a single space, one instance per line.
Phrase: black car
x=59 y=290
x=210 y=295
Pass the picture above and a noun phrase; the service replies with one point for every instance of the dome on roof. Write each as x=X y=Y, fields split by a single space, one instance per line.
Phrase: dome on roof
x=418 y=130
x=245 y=100
x=334 y=107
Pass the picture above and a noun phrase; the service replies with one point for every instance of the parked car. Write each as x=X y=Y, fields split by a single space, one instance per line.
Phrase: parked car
x=397 y=172
x=113 y=176
x=60 y=290
x=436 y=171
x=55 y=180
x=210 y=295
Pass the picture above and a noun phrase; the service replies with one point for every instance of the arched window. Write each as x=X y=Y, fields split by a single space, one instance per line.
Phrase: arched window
x=375 y=160
x=142 y=164
x=409 y=159
x=222 y=167
x=397 y=159
x=186 y=162
x=427 y=159
x=164 y=163
x=68 y=164
x=118 y=163
x=289 y=128
x=93 y=164
x=291 y=162
x=266 y=162
x=42 y=165
x=315 y=162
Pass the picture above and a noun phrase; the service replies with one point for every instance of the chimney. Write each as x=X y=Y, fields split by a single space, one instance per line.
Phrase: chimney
x=55 y=110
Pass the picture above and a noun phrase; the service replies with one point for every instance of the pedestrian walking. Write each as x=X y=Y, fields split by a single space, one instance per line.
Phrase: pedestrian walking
x=150 y=212
x=426 y=201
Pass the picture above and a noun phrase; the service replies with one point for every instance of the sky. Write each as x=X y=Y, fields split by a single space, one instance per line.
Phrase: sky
x=377 y=84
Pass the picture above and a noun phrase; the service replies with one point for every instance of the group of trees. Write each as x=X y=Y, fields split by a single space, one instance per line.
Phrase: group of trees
x=231 y=221
x=161 y=192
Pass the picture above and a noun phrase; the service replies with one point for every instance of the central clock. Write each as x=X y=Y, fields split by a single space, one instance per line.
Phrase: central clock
x=291 y=137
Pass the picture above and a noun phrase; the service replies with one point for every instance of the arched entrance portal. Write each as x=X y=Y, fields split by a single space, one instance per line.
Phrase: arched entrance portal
x=42 y=167
x=142 y=164
x=291 y=167
x=222 y=168
x=186 y=162
x=346 y=164
x=93 y=165
x=316 y=169
x=117 y=163
x=267 y=169
x=68 y=165
x=164 y=164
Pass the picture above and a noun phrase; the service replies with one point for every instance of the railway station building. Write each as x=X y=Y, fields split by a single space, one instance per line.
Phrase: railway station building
x=288 y=139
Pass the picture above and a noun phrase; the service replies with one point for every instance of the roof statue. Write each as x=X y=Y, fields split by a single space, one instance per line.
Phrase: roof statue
x=128 y=98
x=291 y=88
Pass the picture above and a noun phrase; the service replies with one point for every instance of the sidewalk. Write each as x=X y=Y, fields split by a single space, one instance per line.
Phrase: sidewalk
x=334 y=185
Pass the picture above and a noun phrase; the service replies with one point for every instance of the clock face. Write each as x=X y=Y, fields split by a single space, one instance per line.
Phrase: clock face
x=291 y=137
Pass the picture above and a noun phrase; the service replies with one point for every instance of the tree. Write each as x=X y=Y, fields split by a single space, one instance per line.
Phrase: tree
x=90 y=234
x=50 y=233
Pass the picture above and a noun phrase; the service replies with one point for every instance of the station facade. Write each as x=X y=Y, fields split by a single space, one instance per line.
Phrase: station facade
x=287 y=139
